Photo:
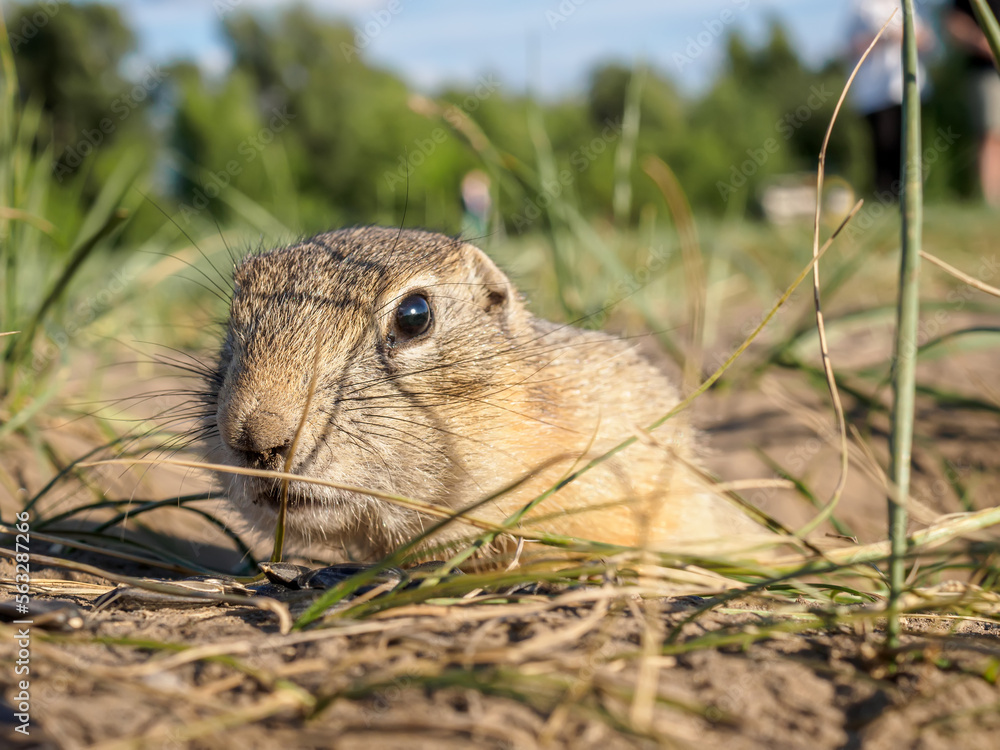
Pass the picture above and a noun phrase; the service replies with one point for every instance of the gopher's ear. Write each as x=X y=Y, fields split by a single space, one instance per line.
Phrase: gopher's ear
x=494 y=290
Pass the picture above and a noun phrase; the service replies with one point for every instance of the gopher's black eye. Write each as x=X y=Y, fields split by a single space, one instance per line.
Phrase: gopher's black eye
x=413 y=316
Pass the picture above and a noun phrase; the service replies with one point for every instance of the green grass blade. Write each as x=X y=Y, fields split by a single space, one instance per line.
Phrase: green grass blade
x=39 y=401
x=8 y=129
x=76 y=260
x=905 y=359
x=625 y=154
x=558 y=227
x=988 y=23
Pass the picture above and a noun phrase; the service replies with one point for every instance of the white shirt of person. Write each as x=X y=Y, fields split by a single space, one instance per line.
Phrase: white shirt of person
x=879 y=83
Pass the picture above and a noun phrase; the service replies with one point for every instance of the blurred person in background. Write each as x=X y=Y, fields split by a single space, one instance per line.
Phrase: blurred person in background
x=984 y=91
x=477 y=201
x=877 y=91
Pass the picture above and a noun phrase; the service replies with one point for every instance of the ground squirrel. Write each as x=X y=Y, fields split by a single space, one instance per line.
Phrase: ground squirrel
x=435 y=382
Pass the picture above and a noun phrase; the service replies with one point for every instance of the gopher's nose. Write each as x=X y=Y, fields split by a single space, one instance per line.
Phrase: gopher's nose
x=264 y=435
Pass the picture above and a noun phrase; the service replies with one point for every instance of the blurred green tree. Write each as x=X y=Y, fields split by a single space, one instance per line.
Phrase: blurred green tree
x=304 y=127
x=302 y=115
x=70 y=57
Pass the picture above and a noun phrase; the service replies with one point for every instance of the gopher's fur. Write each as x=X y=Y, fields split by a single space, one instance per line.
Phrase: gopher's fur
x=488 y=395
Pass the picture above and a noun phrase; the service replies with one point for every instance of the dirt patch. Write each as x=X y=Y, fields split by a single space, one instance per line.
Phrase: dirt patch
x=557 y=668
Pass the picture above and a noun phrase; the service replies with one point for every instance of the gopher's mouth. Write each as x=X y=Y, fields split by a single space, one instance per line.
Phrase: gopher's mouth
x=271 y=497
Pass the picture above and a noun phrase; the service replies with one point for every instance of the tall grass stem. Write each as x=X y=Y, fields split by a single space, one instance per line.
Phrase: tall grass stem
x=831 y=379
x=625 y=154
x=988 y=23
x=908 y=314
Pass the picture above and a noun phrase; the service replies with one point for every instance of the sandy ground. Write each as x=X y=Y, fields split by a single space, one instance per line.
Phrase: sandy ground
x=546 y=670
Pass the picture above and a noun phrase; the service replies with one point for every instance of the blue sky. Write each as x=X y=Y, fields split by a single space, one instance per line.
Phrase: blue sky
x=552 y=43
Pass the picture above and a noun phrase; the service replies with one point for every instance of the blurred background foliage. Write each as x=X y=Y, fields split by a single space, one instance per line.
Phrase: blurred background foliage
x=301 y=126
